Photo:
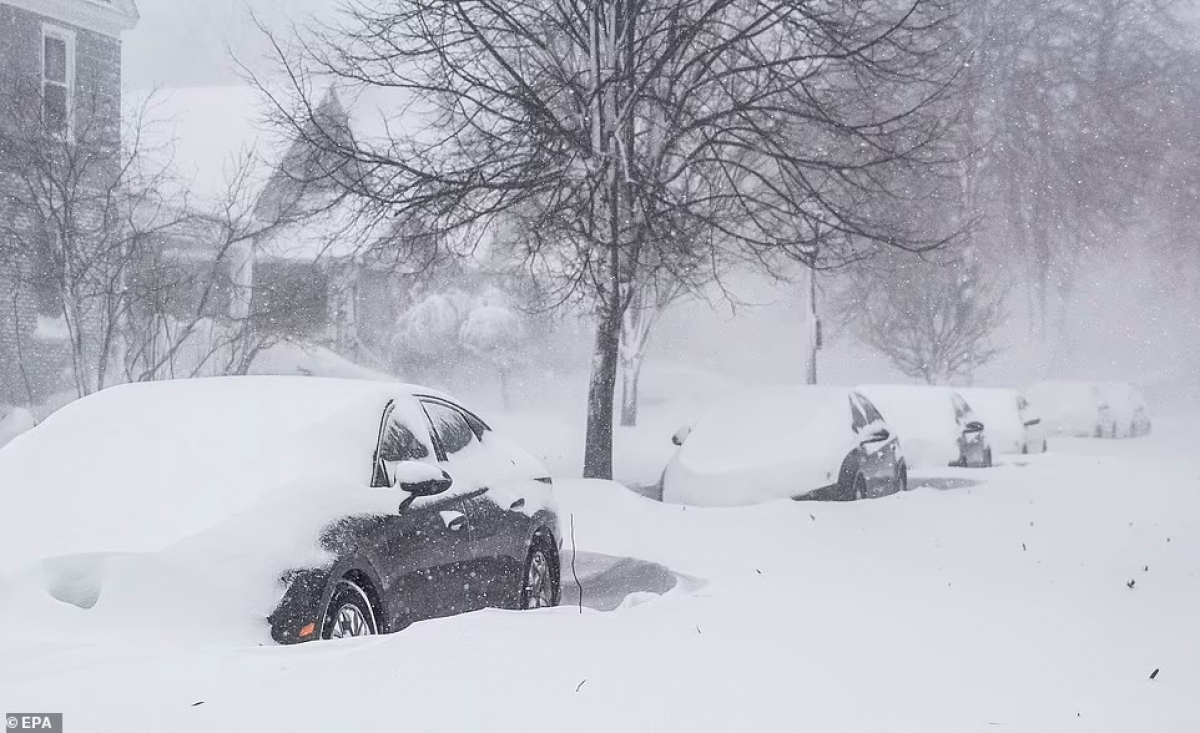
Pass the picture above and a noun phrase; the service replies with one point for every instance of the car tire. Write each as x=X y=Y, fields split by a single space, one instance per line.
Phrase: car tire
x=540 y=587
x=1045 y=445
x=902 y=479
x=987 y=458
x=349 y=613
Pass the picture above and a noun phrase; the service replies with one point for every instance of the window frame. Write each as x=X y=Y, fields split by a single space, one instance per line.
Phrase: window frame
x=377 y=465
x=869 y=407
x=962 y=409
x=857 y=412
x=468 y=417
x=68 y=38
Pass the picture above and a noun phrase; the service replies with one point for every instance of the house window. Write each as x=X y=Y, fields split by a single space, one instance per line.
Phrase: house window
x=58 y=78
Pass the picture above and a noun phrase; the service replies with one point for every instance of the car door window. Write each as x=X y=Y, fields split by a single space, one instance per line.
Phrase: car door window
x=397 y=441
x=962 y=413
x=858 y=420
x=452 y=428
x=870 y=411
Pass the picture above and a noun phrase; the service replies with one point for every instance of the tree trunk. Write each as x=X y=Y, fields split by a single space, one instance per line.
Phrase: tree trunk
x=597 y=458
x=74 y=321
x=631 y=372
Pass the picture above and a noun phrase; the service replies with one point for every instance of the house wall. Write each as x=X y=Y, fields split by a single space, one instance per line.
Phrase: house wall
x=32 y=358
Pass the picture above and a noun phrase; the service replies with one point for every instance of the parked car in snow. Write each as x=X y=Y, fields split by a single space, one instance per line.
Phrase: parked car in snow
x=935 y=424
x=324 y=508
x=1091 y=409
x=1012 y=424
x=1127 y=408
x=785 y=441
x=1072 y=408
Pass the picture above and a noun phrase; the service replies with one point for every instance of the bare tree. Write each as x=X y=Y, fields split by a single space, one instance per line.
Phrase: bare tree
x=1064 y=98
x=495 y=334
x=146 y=280
x=603 y=125
x=649 y=297
x=73 y=233
x=933 y=320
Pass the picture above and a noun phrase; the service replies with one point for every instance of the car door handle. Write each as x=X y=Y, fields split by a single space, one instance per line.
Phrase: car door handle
x=454 y=521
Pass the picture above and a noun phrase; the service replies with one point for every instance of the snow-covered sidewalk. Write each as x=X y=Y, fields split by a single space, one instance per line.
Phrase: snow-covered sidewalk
x=1039 y=595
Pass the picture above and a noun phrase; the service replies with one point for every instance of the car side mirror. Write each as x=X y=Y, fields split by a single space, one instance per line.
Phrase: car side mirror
x=1034 y=421
x=973 y=427
x=877 y=436
x=421 y=479
x=681 y=435
x=429 y=487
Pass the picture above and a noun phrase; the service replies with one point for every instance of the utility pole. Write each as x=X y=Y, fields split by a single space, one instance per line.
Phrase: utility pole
x=811 y=320
x=814 y=328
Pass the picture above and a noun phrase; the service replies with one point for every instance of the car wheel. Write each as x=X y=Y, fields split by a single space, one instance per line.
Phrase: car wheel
x=1045 y=446
x=1099 y=431
x=349 y=613
x=539 y=589
x=902 y=479
x=987 y=458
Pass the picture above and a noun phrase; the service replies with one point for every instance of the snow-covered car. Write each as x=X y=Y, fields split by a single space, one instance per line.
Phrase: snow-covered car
x=1091 y=409
x=785 y=441
x=1074 y=408
x=1012 y=424
x=935 y=424
x=1127 y=408
x=313 y=508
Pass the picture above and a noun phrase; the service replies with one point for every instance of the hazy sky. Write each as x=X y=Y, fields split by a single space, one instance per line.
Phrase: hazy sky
x=187 y=42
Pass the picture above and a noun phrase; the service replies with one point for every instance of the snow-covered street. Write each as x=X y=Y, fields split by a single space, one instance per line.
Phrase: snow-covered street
x=1038 y=595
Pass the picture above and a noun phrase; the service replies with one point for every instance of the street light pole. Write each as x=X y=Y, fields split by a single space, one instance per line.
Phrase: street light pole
x=814 y=327
x=811 y=321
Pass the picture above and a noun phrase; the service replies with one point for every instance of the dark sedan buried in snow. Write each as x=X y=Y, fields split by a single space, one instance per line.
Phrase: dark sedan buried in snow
x=323 y=508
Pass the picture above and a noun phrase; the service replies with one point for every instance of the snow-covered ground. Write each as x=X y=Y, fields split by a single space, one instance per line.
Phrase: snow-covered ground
x=1039 y=595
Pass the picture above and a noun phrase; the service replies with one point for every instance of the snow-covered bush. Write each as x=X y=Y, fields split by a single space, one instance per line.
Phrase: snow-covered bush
x=496 y=335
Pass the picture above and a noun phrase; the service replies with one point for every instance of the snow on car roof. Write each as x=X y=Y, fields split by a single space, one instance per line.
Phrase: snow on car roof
x=995 y=406
x=1062 y=392
x=980 y=398
x=136 y=467
x=748 y=425
x=914 y=409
